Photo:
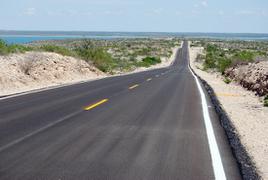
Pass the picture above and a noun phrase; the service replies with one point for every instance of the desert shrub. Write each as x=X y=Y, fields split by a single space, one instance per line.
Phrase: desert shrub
x=265 y=102
x=148 y=61
x=223 y=64
x=144 y=51
x=26 y=66
x=13 y=48
x=247 y=56
x=227 y=80
x=211 y=55
x=57 y=49
x=3 y=48
x=16 y=48
x=209 y=62
x=100 y=58
x=200 y=58
x=219 y=59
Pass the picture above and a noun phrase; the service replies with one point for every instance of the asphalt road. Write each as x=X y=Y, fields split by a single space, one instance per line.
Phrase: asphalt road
x=147 y=125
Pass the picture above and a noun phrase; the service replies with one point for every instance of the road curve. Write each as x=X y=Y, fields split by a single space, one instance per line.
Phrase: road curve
x=148 y=125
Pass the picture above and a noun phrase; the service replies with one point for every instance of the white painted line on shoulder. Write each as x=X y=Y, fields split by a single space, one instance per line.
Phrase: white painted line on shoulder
x=213 y=146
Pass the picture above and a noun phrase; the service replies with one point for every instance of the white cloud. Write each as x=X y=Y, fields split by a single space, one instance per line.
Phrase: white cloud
x=264 y=13
x=204 y=3
x=201 y=4
x=154 y=12
x=252 y=13
x=196 y=5
x=177 y=13
x=88 y=13
x=245 y=12
x=194 y=12
x=221 y=12
x=116 y=13
x=157 y=11
x=29 y=11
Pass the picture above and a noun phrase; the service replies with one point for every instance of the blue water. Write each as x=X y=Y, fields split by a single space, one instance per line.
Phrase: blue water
x=17 y=39
x=21 y=37
x=27 y=39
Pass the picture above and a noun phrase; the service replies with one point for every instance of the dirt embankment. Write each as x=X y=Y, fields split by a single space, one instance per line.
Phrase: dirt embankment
x=253 y=76
x=35 y=70
x=245 y=110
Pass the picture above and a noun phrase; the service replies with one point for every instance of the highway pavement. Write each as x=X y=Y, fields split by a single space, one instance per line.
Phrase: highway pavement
x=157 y=124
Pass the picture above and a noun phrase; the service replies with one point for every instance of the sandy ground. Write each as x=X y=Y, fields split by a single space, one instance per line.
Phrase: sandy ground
x=245 y=110
x=37 y=70
x=41 y=70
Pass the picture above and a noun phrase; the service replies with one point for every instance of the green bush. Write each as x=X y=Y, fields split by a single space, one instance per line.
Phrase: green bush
x=57 y=49
x=100 y=58
x=223 y=64
x=247 y=56
x=219 y=59
x=3 y=48
x=265 y=103
x=212 y=48
x=227 y=80
x=210 y=59
x=6 y=49
x=148 y=61
x=209 y=62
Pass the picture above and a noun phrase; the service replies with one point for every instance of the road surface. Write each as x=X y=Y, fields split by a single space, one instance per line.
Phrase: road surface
x=148 y=125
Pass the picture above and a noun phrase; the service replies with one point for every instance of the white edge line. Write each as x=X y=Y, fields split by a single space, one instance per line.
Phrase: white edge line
x=37 y=131
x=213 y=147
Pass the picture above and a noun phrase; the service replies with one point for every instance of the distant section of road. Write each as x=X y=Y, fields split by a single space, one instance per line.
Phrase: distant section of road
x=148 y=125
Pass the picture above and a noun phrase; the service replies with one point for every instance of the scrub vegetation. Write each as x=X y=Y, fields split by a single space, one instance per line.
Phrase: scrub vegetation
x=110 y=56
x=220 y=58
x=265 y=103
x=6 y=49
x=244 y=62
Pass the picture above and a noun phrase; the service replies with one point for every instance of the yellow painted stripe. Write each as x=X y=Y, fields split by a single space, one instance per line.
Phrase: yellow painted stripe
x=95 y=105
x=149 y=79
x=227 y=94
x=134 y=86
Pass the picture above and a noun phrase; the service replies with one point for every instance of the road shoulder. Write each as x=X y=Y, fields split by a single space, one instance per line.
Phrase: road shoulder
x=243 y=117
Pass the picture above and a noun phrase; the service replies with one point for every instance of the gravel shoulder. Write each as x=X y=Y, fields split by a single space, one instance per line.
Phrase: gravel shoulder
x=245 y=110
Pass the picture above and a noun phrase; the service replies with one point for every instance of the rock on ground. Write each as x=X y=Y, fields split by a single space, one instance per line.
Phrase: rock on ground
x=253 y=76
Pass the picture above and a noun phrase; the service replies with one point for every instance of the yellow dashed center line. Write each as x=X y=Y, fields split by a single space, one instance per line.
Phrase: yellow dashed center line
x=95 y=105
x=134 y=86
x=149 y=79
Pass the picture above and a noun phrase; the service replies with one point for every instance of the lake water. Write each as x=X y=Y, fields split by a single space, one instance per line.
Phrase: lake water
x=30 y=36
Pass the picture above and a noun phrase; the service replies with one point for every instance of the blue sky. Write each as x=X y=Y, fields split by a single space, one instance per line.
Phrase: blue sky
x=136 y=15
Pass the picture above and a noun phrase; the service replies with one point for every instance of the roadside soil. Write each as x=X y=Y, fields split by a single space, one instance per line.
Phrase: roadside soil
x=36 y=70
x=245 y=110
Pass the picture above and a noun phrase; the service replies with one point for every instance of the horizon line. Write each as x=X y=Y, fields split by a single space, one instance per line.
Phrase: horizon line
x=105 y=31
